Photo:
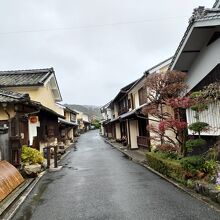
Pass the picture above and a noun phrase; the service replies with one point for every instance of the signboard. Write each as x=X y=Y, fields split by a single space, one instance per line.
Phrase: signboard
x=33 y=119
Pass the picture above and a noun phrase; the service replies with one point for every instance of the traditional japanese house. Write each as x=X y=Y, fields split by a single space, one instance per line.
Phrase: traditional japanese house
x=123 y=117
x=138 y=122
x=68 y=126
x=117 y=127
x=107 y=115
x=40 y=84
x=40 y=124
x=24 y=122
x=83 y=121
x=198 y=56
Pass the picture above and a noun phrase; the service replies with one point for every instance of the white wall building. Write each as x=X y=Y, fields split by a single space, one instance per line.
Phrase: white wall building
x=198 y=56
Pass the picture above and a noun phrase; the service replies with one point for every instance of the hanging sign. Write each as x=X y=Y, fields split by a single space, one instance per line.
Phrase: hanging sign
x=33 y=119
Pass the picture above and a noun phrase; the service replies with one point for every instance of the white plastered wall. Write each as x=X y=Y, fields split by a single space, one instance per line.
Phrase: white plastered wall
x=206 y=61
x=118 y=131
x=32 y=130
x=133 y=133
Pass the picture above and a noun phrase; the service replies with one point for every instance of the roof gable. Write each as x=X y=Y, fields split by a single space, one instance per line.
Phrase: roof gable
x=201 y=20
x=159 y=66
x=153 y=69
x=106 y=106
x=124 y=91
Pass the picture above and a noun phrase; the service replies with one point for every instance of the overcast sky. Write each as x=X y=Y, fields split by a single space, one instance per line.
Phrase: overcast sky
x=95 y=46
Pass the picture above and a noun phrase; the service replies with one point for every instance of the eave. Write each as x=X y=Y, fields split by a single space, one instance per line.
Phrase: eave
x=197 y=38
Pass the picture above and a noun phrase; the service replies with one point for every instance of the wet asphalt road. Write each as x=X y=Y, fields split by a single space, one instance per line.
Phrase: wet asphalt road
x=98 y=182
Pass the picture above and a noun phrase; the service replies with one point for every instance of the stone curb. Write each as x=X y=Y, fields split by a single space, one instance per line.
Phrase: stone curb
x=192 y=193
x=21 y=197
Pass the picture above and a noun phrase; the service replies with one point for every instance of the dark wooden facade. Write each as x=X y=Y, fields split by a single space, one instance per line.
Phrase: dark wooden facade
x=143 y=140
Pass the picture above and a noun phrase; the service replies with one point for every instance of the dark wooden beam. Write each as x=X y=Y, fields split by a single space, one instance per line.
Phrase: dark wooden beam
x=191 y=51
x=206 y=27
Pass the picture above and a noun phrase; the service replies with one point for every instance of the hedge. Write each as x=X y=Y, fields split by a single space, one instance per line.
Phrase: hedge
x=167 y=167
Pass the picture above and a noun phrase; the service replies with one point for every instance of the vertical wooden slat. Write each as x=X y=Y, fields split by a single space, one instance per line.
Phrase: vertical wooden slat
x=210 y=116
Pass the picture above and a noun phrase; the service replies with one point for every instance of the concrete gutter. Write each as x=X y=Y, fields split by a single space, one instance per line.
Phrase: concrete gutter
x=14 y=200
x=192 y=193
x=10 y=205
x=12 y=197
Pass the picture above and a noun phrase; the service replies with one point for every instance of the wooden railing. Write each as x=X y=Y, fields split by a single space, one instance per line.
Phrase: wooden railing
x=123 y=110
x=143 y=141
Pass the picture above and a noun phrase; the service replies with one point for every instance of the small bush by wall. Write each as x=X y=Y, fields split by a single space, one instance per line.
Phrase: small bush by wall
x=192 y=164
x=167 y=167
x=31 y=156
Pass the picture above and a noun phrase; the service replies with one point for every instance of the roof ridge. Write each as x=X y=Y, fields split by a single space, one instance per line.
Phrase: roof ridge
x=127 y=87
x=31 y=77
x=26 y=71
x=160 y=63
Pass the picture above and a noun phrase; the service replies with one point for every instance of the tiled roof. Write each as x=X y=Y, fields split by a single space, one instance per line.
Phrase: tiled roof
x=71 y=110
x=15 y=97
x=9 y=96
x=44 y=108
x=124 y=90
x=216 y=3
x=159 y=64
x=209 y=14
x=106 y=105
x=33 y=77
x=199 y=14
x=63 y=121
x=147 y=72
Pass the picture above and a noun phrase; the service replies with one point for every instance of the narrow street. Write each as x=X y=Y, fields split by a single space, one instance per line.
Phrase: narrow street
x=98 y=182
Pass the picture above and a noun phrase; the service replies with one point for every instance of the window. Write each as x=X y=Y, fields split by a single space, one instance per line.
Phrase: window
x=142 y=96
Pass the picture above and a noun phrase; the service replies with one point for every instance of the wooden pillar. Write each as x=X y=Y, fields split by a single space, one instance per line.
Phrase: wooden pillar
x=55 y=157
x=48 y=157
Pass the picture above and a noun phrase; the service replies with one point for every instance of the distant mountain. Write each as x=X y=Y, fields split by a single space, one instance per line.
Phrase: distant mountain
x=89 y=110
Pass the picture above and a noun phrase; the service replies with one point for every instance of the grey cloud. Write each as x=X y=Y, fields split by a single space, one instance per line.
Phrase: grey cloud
x=94 y=59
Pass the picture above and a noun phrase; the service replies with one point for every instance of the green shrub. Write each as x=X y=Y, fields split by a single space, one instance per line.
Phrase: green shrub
x=190 y=144
x=181 y=170
x=198 y=126
x=169 y=155
x=210 y=166
x=170 y=168
x=199 y=107
x=195 y=95
x=31 y=156
x=192 y=163
x=96 y=124
x=212 y=154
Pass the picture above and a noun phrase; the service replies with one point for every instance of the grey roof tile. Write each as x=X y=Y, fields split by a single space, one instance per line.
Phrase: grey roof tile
x=216 y=3
x=9 y=96
x=33 y=77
